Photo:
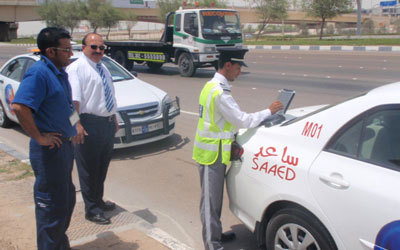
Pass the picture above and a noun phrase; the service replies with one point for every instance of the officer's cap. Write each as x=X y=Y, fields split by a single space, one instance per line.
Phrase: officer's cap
x=233 y=55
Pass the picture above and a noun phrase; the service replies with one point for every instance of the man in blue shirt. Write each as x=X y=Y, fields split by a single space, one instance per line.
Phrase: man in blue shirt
x=44 y=107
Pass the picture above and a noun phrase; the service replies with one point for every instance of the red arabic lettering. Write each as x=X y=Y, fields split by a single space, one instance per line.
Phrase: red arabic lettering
x=291 y=160
x=270 y=151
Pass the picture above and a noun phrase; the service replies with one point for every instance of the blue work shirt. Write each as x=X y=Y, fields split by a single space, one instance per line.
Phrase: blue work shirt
x=46 y=90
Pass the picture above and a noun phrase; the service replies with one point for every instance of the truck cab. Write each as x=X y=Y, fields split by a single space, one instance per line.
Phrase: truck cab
x=198 y=33
x=191 y=40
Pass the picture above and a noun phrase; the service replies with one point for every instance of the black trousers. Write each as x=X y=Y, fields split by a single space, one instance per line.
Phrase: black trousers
x=93 y=158
x=54 y=193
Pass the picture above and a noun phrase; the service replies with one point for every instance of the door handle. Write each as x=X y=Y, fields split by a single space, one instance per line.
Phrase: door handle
x=335 y=180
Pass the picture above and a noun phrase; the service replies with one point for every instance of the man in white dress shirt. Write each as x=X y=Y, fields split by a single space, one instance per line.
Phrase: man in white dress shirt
x=94 y=98
x=220 y=115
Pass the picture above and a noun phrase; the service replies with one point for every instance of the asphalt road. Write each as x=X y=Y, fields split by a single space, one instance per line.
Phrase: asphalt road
x=159 y=181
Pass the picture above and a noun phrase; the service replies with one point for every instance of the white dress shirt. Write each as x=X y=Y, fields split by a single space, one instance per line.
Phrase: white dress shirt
x=87 y=87
x=230 y=111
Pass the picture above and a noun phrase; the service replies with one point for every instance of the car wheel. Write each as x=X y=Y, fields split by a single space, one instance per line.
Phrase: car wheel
x=154 y=65
x=186 y=65
x=296 y=229
x=121 y=58
x=5 y=122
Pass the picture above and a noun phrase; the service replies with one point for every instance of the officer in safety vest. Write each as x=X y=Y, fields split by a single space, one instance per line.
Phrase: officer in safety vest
x=220 y=115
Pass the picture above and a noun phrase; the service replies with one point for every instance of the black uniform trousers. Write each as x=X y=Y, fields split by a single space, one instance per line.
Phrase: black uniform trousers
x=54 y=193
x=92 y=159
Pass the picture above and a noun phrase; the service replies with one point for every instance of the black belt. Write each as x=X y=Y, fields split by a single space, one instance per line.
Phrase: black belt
x=66 y=139
x=96 y=117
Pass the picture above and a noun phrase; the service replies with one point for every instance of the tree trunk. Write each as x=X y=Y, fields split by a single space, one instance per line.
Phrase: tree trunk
x=262 y=28
x=358 y=17
x=108 y=33
x=322 y=28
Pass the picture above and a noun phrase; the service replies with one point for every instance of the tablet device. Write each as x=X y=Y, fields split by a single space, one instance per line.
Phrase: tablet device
x=285 y=97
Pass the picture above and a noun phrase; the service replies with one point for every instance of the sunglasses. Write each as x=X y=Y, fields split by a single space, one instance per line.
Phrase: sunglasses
x=94 y=47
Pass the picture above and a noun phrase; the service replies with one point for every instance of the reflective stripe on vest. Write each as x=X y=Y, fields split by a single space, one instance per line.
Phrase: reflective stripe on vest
x=209 y=136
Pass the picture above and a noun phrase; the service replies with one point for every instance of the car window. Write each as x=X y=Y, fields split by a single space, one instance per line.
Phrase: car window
x=381 y=144
x=374 y=138
x=178 y=22
x=29 y=64
x=118 y=73
x=191 y=24
x=347 y=143
x=15 y=69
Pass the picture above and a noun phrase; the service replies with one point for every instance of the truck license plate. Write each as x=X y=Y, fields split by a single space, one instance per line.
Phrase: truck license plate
x=147 y=128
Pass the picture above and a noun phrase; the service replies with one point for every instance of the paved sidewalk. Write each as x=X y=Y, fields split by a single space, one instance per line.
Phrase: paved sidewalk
x=17 y=220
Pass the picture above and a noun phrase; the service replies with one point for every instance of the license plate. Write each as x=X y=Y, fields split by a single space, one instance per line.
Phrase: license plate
x=146 y=128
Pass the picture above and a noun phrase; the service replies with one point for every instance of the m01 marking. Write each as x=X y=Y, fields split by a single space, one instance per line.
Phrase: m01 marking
x=146 y=56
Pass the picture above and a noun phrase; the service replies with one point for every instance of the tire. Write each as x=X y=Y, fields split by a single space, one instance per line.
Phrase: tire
x=121 y=58
x=186 y=65
x=154 y=65
x=287 y=222
x=5 y=122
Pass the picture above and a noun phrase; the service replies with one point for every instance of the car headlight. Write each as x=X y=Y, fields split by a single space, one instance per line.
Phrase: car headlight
x=168 y=102
x=209 y=49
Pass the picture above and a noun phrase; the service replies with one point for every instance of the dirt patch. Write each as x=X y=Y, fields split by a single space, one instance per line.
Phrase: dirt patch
x=17 y=215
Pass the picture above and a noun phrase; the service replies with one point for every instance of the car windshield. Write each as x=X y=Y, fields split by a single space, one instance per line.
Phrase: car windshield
x=217 y=23
x=118 y=73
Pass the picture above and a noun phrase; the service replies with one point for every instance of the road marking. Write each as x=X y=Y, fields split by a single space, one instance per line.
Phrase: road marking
x=354 y=79
x=283 y=74
x=328 y=77
x=361 y=67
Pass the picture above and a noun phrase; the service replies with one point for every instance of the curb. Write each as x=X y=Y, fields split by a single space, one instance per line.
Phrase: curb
x=139 y=224
x=298 y=47
x=326 y=48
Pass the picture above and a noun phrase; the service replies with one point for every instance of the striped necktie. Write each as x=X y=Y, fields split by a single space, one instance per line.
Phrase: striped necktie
x=107 y=90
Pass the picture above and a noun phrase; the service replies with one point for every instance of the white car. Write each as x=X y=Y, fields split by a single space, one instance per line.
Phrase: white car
x=324 y=177
x=145 y=112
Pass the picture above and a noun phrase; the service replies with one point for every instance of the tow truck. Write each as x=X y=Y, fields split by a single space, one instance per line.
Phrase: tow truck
x=191 y=40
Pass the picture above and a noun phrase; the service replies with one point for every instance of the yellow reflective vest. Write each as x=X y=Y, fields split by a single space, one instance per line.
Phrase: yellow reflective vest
x=212 y=138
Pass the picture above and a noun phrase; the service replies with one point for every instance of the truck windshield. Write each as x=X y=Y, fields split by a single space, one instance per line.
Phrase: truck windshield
x=218 y=23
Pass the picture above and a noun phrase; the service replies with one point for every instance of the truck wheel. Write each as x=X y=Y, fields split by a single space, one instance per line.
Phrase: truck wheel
x=154 y=65
x=121 y=58
x=186 y=66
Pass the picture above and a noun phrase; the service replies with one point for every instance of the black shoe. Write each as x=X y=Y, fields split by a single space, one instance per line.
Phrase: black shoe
x=228 y=236
x=98 y=218
x=107 y=206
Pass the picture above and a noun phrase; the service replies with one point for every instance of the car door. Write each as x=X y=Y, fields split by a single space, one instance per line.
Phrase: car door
x=10 y=78
x=356 y=179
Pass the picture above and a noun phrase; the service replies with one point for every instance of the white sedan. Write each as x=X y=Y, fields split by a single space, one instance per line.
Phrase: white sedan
x=324 y=177
x=145 y=112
